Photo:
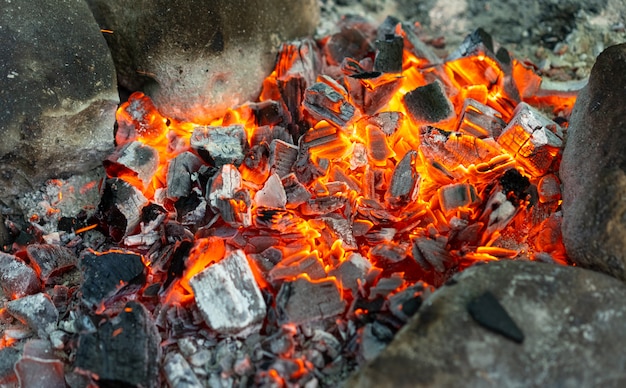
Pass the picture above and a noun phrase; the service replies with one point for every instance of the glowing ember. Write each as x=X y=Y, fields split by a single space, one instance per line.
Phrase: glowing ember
x=346 y=178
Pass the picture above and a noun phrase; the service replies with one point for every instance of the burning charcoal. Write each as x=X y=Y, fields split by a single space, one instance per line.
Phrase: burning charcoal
x=50 y=260
x=178 y=373
x=109 y=274
x=389 y=54
x=387 y=286
x=191 y=209
x=374 y=338
x=489 y=313
x=389 y=252
x=220 y=145
x=268 y=113
x=350 y=42
x=39 y=366
x=532 y=139
x=229 y=297
x=549 y=188
x=419 y=48
x=478 y=42
x=352 y=272
x=389 y=122
x=431 y=254
x=135 y=157
x=296 y=193
x=8 y=357
x=16 y=278
x=272 y=194
x=343 y=230
x=35 y=311
x=377 y=148
x=291 y=267
x=324 y=205
x=405 y=180
x=124 y=350
x=228 y=198
x=406 y=302
x=428 y=104
x=121 y=205
x=326 y=102
x=499 y=211
x=302 y=300
x=307 y=169
x=455 y=196
x=282 y=157
x=179 y=174
x=480 y=120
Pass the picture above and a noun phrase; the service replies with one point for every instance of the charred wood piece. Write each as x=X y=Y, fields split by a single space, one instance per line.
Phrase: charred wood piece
x=50 y=260
x=405 y=303
x=428 y=104
x=499 y=211
x=282 y=157
x=387 y=286
x=377 y=147
x=178 y=373
x=296 y=192
x=220 y=145
x=228 y=198
x=352 y=272
x=180 y=174
x=272 y=194
x=110 y=274
x=268 y=113
x=405 y=181
x=229 y=297
x=326 y=102
x=37 y=312
x=455 y=196
x=389 y=252
x=480 y=120
x=419 y=48
x=124 y=350
x=342 y=230
x=478 y=42
x=431 y=254
x=389 y=122
x=301 y=301
x=121 y=206
x=532 y=139
x=292 y=267
x=135 y=158
x=389 y=54
x=16 y=278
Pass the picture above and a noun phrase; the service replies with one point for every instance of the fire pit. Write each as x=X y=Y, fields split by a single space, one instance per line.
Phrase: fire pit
x=287 y=241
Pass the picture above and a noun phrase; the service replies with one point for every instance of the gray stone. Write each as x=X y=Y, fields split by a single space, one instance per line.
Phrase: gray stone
x=572 y=320
x=198 y=58
x=58 y=93
x=593 y=170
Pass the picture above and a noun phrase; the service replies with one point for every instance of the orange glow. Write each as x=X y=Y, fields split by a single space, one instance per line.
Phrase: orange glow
x=450 y=206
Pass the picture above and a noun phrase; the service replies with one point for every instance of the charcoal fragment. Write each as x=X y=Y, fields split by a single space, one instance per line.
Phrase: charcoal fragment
x=179 y=174
x=220 y=145
x=487 y=311
x=16 y=278
x=135 y=158
x=428 y=104
x=37 y=312
x=50 y=260
x=303 y=300
x=121 y=206
x=389 y=54
x=404 y=181
x=325 y=102
x=478 y=42
x=109 y=274
x=282 y=157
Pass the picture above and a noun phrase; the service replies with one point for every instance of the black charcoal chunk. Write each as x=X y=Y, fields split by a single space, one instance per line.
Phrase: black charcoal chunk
x=136 y=158
x=36 y=311
x=268 y=113
x=297 y=194
x=121 y=207
x=374 y=338
x=389 y=54
x=489 y=313
x=50 y=260
x=8 y=357
x=301 y=301
x=179 y=174
x=428 y=104
x=220 y=145
x=431 y=254
x=124 y=351
x=405 y=303
x=110 y=274
x=325 y=102
x=478 y=42
x=16 y=278
x=352 y=271
x=405 y=180
x=419 y=48
x=282 y=157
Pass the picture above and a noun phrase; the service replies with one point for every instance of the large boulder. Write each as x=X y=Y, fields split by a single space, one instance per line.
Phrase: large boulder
x=572 y=321
x=593 y=169
x=58 y=93
x=196 y=58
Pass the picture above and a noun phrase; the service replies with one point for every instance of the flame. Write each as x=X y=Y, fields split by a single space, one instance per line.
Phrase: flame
x=457 y=210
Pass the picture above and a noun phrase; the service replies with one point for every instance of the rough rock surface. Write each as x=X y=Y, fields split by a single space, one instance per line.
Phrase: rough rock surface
x=57 y=93
x=198 y=58
x=572 y=320
x=593 y=170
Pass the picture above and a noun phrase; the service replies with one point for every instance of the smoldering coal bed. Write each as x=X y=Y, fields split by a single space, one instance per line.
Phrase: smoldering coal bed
x=288 y=241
